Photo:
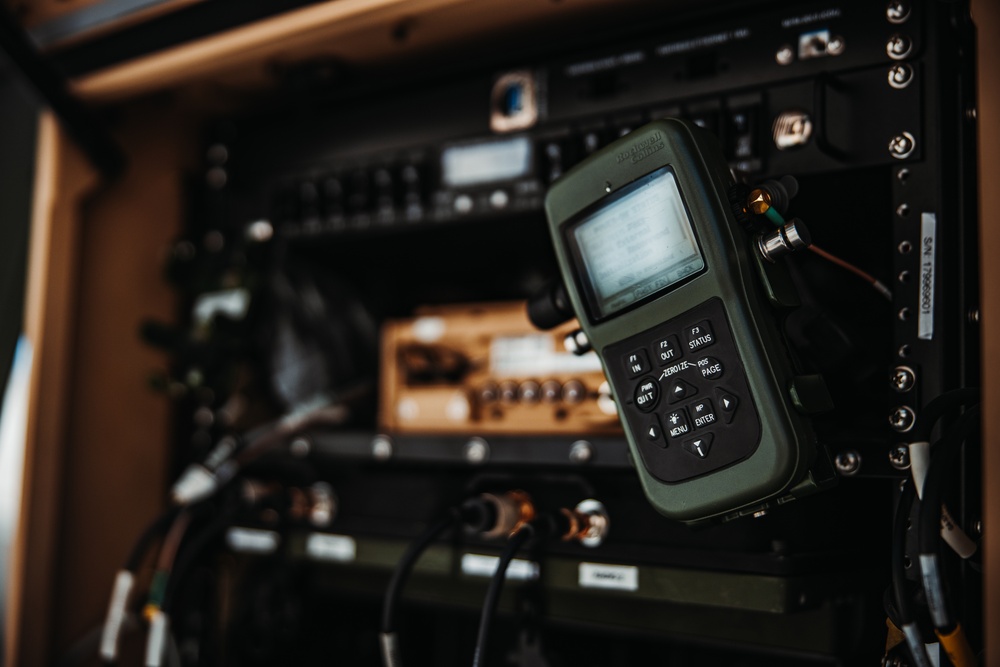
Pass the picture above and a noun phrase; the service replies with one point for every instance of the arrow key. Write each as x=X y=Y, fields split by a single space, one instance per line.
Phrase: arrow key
x=655 y=434
x=679 y=390
x=699 y=446
x=727 y=405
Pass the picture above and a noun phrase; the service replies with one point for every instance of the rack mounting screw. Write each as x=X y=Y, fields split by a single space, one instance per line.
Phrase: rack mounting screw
x=898 y=46
x=900 y=76
x=902 y=145
x=476 y=450
x=899 y=457
x=848 y=463
x=902 y=419
x=581 y=452
x=903 y=378
x=897 y=12
x=381 y=448
x=785 y=55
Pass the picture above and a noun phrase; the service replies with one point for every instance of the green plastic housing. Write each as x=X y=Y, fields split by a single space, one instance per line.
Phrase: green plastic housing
x=778 y=469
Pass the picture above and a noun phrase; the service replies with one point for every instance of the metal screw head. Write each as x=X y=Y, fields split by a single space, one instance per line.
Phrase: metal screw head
x=785 y=55
x=899 y=457
x=974 y=316
x=581 y=452
x=848 y=462
x=899 y=46
x=299 y=447
x=835 y=46
x=900 y=75
x=477 y=450
x=902 y=145
x=903 y=378
x=902 y=418
x=897 y=12
x=381 y=448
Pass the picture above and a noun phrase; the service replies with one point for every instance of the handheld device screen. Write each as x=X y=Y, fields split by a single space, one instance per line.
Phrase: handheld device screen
x=637 y=243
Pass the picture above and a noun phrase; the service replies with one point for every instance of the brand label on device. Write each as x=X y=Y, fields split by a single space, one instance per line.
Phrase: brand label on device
x=476 y=565
x=323 y=546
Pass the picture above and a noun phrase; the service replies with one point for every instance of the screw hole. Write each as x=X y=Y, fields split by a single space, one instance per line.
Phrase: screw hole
x=905 y=247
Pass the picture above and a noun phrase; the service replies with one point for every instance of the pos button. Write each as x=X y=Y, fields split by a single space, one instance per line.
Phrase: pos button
x=647 y=394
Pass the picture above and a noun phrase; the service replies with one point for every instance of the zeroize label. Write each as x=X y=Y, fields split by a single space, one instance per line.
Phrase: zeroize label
x=612 y=577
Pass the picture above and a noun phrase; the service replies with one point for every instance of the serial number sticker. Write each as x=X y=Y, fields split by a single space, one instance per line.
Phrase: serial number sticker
x=928 y=241
x=477 y=565
x=326 y=547
x=613 y=577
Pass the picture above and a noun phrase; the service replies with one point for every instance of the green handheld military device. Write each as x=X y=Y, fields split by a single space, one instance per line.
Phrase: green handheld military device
x=668 y=289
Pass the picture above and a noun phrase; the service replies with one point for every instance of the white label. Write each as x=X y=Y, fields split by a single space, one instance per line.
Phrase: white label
x=477 y=565
x=252 y=540
x=339 y=548
x=615 y=577
x=928 y=238
x=535 y=354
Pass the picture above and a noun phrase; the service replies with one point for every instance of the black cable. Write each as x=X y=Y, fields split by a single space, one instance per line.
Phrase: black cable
x=156 y=527
x=514 y=545
x=945 y=453
x=940 y=406
x=405 y=566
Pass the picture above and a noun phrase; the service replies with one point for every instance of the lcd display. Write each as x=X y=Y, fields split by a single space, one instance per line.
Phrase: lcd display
x=638 y=243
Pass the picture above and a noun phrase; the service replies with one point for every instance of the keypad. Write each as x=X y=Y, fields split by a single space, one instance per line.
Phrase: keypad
x=691 y=409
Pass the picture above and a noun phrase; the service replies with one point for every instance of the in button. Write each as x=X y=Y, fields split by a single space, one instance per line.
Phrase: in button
x=636 y=363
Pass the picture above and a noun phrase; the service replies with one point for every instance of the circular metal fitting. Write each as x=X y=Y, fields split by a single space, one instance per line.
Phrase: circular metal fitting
x=300 y=447
x=903 y=379
x=897 y=12
x=899 y=46
x=899 y=457
x=785 y=55
x=598 y=522
x=900 y=75
x=974 y=316
x=902 y=145
x=581 y=451
x=902 y=418
x=848 y=462
x=381 y=448
x=903 y=210
x=835 y=46
x=477 y=451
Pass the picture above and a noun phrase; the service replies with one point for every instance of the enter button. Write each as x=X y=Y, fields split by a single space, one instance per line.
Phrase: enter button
x=703 y=414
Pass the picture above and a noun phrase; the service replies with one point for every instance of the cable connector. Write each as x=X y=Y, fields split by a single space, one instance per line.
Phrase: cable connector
x=115 y=618
x=156 y=641
x=587 y=523
x=504 y=514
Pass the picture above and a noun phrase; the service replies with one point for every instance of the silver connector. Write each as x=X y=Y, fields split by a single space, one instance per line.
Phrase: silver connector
x=788 y=238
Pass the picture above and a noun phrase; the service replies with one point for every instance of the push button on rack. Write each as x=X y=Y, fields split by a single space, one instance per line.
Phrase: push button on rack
x=699 y=335
x=647 y=394
x=636 y=363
